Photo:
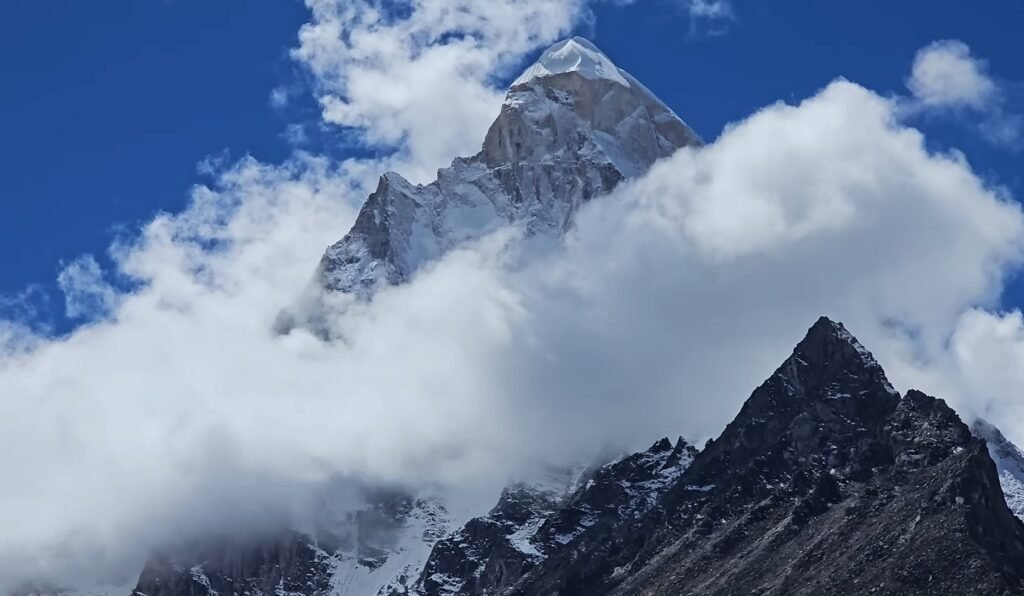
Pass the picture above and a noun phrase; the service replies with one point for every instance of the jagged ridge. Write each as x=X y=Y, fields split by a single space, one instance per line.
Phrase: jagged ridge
x=826 y=482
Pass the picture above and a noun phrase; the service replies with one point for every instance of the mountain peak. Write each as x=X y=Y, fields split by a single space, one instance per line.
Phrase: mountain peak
x=577 y=55
x=830 y=345
x=830 y=391
x=827 y=329
x=571 y=129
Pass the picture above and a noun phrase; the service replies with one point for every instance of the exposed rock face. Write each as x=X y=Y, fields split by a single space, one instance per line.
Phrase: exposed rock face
x=288 y=563
x=1009 y=460
x=565 y=135
x=490 y=554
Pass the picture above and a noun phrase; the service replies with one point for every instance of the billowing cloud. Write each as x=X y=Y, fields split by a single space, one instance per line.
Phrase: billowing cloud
x=421 y=77
x=720 y=257
x=181 y=410
x=684 y=289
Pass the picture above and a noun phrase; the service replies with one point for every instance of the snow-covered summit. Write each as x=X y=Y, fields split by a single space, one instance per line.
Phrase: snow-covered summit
x=570 y=130
x=573 y=55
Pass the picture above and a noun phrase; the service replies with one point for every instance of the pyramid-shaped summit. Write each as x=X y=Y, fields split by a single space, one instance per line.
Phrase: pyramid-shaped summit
x=570 y=129
x=830 y=351
x=808 y=491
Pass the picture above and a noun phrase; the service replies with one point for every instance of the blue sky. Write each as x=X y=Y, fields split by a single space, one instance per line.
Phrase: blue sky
x=108 y=106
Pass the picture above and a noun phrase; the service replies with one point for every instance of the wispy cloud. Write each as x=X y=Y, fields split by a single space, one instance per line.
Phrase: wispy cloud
x=87 y=295
x=946 y=77
x=710 y=9
x=280 y=97
x=706 y=17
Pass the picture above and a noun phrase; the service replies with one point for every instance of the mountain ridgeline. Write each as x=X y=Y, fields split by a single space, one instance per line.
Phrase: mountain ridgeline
x=570 y=129
x=827 y=481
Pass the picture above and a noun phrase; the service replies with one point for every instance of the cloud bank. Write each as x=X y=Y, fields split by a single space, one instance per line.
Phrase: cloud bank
x=684 y=289
x=176 y=409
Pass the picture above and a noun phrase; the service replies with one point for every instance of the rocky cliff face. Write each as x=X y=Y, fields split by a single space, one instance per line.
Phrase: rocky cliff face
x=570 y=129
x=1009 y=460
x=350 y=552
x=491 y=554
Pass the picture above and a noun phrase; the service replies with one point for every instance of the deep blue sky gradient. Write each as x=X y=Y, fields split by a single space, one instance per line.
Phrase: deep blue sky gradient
x=107 y=107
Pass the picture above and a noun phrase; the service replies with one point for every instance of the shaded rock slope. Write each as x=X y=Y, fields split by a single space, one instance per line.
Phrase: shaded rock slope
x=1009 y=461
x=827 y=482
x=566 y=133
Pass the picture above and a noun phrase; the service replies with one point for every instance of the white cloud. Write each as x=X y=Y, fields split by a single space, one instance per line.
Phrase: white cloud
x=87 y=295
x=421 y=75
x=24 y=311
x=946 y=76
x=279 y=97
x=713 y=10
x=296 y=135
x=707 y=17
x=1003 y=129
x=982 y=368
x=684 y=290
x=672 y=300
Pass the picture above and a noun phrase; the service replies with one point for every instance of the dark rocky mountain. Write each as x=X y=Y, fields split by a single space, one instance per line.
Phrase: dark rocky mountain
x=827 y=482
x=490 y=554
x=285 y=562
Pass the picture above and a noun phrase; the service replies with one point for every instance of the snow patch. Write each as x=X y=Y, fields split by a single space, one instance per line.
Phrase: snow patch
x=574 y=55
x=199 y=576
x=426 y=523
x=1009 y=460
x=522 y=539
